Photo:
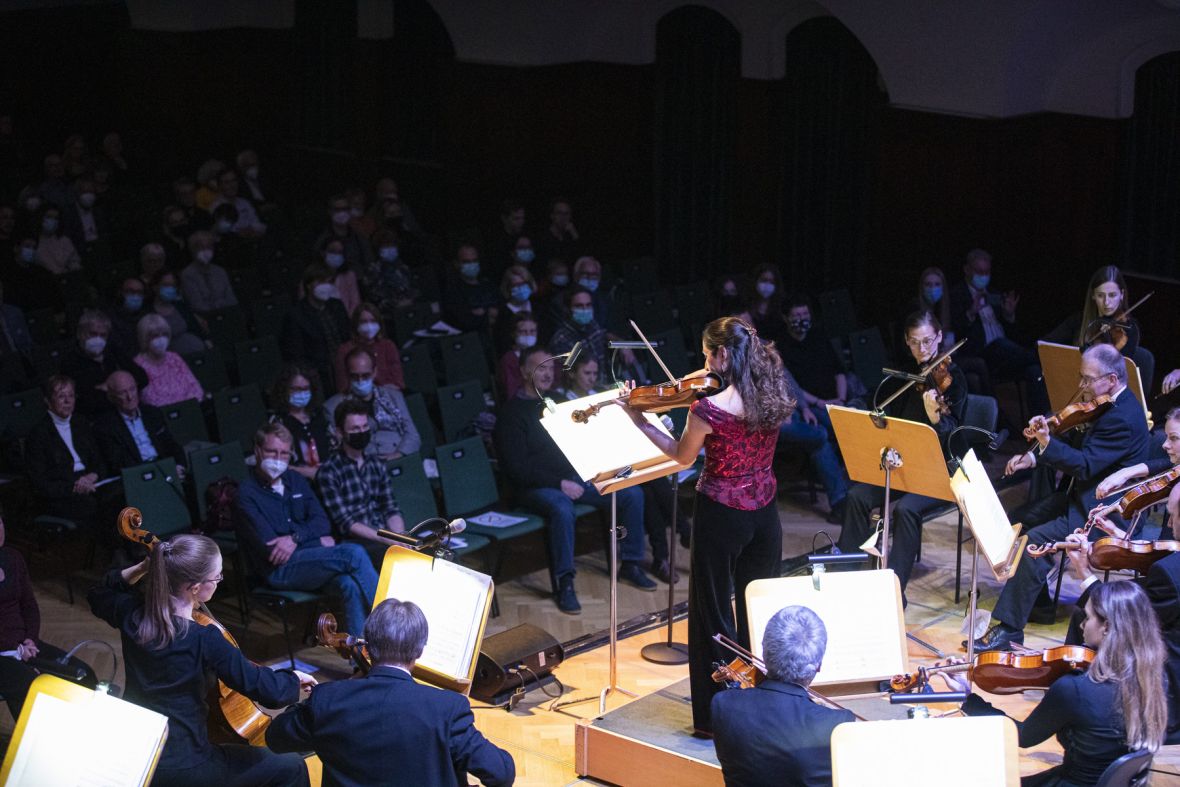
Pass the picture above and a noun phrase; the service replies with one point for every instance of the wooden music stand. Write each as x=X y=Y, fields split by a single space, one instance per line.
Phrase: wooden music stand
x=1062 y=363
x=609 y=452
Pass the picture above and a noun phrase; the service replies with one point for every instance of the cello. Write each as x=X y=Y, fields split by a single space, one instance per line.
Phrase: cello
x=239 y=715
x=346 y=645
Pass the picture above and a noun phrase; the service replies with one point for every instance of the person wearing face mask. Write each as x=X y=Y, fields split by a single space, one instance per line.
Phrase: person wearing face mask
x=387 y=279
x=727 y=299
x=766 y=305
x=297 y=402
x=356 y=488
x=316 y=326
x=248 y=225
x=170 y=380
x=56 y=253
x=588 y=276
x=84 y=222
x=551 y=295
x=509 y=378
x=394 y=433
x=934 y=297
x=127 y=309
x=188 y=334
x=344 y=277
x=234 y=251
x=184 y=193
x=92 y=359
x=205 y=284
x=470 y=300
x=810 y=358
x=28 y=285
x=518 y=289
x=579 y=325
x=287 y=538
x=368 y=332
x=358 y=254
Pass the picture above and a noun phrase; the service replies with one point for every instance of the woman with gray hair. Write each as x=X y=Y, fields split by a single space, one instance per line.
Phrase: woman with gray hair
x=169 y=378
x=774 y=734
x=93 y=359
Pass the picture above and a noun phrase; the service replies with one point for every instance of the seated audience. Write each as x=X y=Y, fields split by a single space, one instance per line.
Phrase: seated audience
x=297 y=403
x=84 y=221
x=355 y=247
x=316 y=325
x=189 y=335
x=546 y=483
x=579 y=325
x=502 y=240
x=768 y=305
x=344 y=276
x=169 y=378
x=368 y=333
x=173 y=237
x=92 y=359
x=387 y=279
x=55 y=252
x=811 y=430
x=582 y=379
x=551 y=295
x=248 y=225
x=385 y=728
x=27 y=284
x=517 y=287
x=205 y=284
x=133 y=432
x=508 y=376
x=773 y=733
x=469 y=297
x=357 y=489
x=152 y=259
x=809 y=357
x=184 y=192
x=394 y=433
x=14 y=329
x=207 y=186
x=125 y=316
x=287 y=538
x=560 y=238
x=588 y=275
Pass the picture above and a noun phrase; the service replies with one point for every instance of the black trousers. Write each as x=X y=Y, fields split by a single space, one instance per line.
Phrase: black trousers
x=1021 y=591
x=239 y=766
x=905 y=525
x=730 y=549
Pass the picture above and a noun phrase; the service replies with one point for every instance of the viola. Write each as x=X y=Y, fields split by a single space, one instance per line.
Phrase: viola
x=1114 y=554
x=238 y=713
x=1112 y=329
x=1073 y=415
x=1140 y=496
x=939 y=379
x=1006 y=673
x=348 y=646
x=659 y=398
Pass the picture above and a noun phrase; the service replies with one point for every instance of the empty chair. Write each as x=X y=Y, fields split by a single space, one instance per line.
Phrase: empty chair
x=427 y=431
x=458 y=406
x=464 y=359
x=19 y=412
x=411 y=318
x=640 y=274
x=418 y=369
x=227 y=327
x=42 y=326
x=155 y=489
x=415 y=497
x=208 y=367
x=239 y=413
x=267 y=314
x=652 y=312
x=868 y=355
x=185 y=422
x=670 y=345
x=259 y=361
x=837 y=312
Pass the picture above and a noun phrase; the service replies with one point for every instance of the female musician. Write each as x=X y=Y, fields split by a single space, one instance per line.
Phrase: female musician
x=171 y=664
x=1117 y=706
x=1106 y=296
x=1152 y=467
x=737 y=537
x=943 y=410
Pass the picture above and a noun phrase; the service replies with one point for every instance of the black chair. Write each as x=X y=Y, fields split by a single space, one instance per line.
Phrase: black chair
x=1130 y=770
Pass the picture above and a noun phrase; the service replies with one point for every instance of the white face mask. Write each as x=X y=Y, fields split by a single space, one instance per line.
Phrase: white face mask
x=252 y=173
x=205 y=256
x=159 y=345
x=368 y=329
x=324 y=292
x=341 y=216
x=95 y=345
x=274 y=467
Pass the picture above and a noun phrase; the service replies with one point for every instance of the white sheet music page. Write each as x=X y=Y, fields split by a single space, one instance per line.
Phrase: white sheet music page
x=982 y=510
x=608 y=440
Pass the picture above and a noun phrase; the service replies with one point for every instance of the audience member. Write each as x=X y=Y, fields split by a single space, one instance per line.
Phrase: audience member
x=387 y=279
x=809 y=356
x=170 y=380
x=394 y=433
x=361 y=220
x=508 y=375
x=355 y=248
x=469 y=299
x=257 y=189
x=205 y=284
x=728 y=301
x=133 y=432
x=233 y=251
x=811 y=430
x=92 y=359
x=502 y=240
x=766 y=307
x=561 y=238
x=55 y=252
x=297 y=401
x=55 y=189
x=184 y=191
x=248 y=224
x=152 y=259
x=582 y=378
x=368 y=333
x=14 y=329
x=85 y=223
x=287 y=537
x=29 y=285
x=344 y=277
x=579 y=325
x=188 y=333
x=588 y=276
x=316 y=325
x=546 y=483
x=207 y=185
x=517 y=288
x=173 y=237
x=127 y=311
x=551 y=295
x=75 y=156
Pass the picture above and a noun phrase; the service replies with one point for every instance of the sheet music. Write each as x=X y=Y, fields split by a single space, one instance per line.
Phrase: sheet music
x=608 y=440
x=111 y=743
x=453 y=599
x=861 y=611
x=982 y=510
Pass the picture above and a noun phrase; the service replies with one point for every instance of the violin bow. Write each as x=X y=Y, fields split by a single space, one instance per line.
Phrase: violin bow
x=652 y=350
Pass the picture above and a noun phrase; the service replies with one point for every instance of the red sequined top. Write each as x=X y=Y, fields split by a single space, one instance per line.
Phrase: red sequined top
x=737 y=460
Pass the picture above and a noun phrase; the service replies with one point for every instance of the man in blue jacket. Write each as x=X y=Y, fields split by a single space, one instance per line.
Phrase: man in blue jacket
x=386 y=729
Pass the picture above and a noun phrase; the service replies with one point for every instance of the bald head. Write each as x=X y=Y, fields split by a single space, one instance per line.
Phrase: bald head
x=123 y=393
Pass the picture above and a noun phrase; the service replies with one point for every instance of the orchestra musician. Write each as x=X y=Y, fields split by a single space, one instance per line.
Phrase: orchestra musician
x=923 y=338
x=1106 y=297
x=773 y=733
x=171 y=663
x=1115 y=707
x=1153 y=467
x=1116 y=438
x=385 y=728
x=736 y=537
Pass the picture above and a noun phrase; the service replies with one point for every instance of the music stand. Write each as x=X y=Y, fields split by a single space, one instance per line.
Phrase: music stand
x=893 y=453
x=1062 y=363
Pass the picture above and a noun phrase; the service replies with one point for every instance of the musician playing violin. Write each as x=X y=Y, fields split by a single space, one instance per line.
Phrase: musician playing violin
x=1116 y=438
x=1106 y=299
x=941 y=409
x=1115 y=707
x=172 y=662
x=1153 y=467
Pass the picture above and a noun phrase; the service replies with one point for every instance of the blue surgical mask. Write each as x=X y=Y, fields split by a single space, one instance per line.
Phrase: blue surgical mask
x=582 y=315
x=388 y=253
x=980 y=281
x=934 y=293
x=559 y=280
x=49 y=225
x=132 y=301
x=362 y=388
x=521 y=292
x=300 y=398
x=170 y=294
x=525 y=255
x=469 y=269
x=224 y=227
x=28 y=253
x=334 y=260
x=589 y=284
x=765 y=288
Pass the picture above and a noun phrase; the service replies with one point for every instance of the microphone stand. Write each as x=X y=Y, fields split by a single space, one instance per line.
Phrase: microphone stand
x=669 y=652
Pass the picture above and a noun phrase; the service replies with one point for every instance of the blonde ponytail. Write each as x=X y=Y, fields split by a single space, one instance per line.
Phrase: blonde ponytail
x=174 y=564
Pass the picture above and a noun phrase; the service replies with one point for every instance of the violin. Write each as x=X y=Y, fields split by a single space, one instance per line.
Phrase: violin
x=1140 y=496
x=659 y=398
x=348 y=646
x=238 y=713
x=1112 y=329
x=1114 y=554
x=939 y=379
x=1073 y=415
x=999 y=672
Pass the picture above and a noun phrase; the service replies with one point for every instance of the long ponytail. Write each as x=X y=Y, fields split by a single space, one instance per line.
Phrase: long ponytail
x=182 y=560
x=755 y=370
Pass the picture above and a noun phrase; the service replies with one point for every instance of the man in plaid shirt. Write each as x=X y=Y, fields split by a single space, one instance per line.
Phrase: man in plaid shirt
x=356 y=489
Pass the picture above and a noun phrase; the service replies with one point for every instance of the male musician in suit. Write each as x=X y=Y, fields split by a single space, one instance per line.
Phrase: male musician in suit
x=1116 y=439
x=134 y=432
x=774 y=734
x=387 y=729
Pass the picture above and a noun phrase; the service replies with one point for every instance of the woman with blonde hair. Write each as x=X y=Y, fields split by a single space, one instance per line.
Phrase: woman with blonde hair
x=170 y=380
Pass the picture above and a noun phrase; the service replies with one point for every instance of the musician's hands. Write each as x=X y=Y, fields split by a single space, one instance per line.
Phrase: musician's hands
x=572 y=489
x=1079 y=559
x=27 y=649
x=1173 y=505
x=1102 y=522
x=955 y=681
x=1020 y=462
x=1039 y=426
x=306 y=682
x=1111 y=483
x=281 y=549
x=1171 y=382
x=85 y=485
x=930 y=402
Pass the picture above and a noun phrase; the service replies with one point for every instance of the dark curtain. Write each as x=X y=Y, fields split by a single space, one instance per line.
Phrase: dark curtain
x=324 y=42
x=697 y=70
x=831 y=107
x=416 y=81
x=1150 y=227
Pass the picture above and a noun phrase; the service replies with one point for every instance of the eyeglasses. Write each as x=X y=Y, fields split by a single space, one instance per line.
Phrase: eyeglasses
x=930 y=341
x=1085 y=379
x=215 y=579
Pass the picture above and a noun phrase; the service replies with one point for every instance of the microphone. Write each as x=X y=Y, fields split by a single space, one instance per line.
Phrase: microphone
x=667 y=421
x=457 y=525
x=572 y=356
x=902 y=375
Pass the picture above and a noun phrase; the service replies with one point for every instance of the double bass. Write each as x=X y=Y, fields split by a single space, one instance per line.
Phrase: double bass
x=239 y=715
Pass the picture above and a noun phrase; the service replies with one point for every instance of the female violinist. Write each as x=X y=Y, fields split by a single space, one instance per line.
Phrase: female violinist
x=737 y=537
x=1101 y=320
x=171 y=663
x=1152 y=467
x=1115 y=707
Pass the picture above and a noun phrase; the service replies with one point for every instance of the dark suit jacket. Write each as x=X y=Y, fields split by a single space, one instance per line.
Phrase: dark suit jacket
x=774 y=735
x=385 y=729
x=303 y=338
x=118 y=446
x=88 y=373
x=972 y=330
x=48 y=461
